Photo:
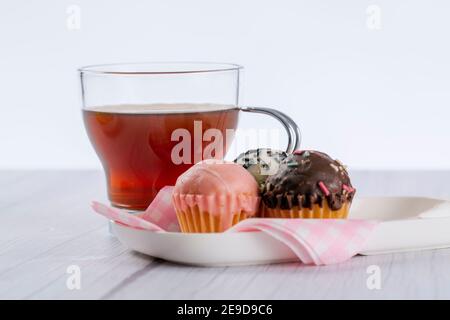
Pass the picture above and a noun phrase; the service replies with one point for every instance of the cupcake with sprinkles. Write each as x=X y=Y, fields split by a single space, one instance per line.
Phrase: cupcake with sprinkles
x=309 y=184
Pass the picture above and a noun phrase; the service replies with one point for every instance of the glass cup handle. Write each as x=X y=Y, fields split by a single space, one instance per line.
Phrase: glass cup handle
x=293 y=131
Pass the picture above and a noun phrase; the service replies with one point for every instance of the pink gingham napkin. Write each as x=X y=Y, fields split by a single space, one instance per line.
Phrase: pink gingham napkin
x=314 y=241
x=159 y=216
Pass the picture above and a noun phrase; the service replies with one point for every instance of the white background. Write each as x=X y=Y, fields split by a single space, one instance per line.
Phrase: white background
x=373 y=98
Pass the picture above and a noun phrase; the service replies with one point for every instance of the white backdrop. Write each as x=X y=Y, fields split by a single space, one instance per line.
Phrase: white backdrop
x=368 y=81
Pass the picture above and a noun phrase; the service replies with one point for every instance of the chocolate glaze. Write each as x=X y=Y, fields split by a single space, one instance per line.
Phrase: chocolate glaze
x=297 y=183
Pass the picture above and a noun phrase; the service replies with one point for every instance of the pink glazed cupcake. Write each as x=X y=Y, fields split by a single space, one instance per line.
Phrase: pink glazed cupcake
x=214 y=195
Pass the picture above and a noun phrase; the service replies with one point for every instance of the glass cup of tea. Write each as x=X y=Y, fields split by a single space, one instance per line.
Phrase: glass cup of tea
x=150 y=122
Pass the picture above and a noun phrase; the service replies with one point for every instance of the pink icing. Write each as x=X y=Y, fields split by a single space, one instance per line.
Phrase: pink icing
x=211 y=177
x=217 y=187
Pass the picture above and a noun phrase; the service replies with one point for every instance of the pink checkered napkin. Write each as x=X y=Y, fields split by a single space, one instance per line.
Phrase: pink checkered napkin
x=124 y=217
x=161 y=211
x=314 y=241
x=159 y=216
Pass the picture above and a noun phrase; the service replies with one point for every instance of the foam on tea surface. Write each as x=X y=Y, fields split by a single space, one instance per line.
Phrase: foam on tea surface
x=165 y=108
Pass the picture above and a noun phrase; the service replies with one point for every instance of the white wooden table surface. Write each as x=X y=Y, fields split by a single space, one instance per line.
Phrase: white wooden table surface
x=46 y=226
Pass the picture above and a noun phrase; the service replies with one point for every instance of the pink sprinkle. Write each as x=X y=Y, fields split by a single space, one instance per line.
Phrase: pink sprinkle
x=324 y=188
x=347 y=188
x=298 y=152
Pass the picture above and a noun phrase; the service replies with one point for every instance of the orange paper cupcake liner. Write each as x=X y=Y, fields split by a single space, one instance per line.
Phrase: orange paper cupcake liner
x=316 y=212
x=195 y=221
x=213 y=213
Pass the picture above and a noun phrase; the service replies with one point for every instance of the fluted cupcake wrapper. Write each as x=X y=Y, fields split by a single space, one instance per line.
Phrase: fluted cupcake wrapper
x=213 y=213
x=317 y=211
x=195 y=221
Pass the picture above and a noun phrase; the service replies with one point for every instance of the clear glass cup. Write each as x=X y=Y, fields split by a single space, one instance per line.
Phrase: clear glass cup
x=150 y=122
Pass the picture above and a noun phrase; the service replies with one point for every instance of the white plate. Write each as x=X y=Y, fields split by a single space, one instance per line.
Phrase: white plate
x=407 y=224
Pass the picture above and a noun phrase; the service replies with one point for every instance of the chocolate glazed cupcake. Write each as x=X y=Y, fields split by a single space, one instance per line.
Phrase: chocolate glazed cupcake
x=309 y=184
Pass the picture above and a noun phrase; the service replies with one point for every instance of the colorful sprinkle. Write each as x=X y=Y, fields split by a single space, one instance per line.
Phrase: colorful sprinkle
x=347 y=188
x=324 y=188
x=335 y=167
x=305 y=153
x=292 y=164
